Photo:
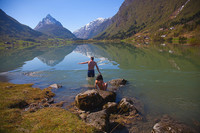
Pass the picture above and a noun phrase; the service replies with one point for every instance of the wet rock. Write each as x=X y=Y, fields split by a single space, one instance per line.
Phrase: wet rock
x=110 y=107
x=108 y=96
x=117 y=82
x=55 y=86
x=32 y=74
x=99 y=119
x=138 y=105
x=126 y=107
x=169 y=125
x=60 y=104
x=51 y=100
x=89 y=100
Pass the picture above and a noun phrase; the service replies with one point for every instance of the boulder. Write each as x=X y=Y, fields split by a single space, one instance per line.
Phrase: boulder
x=99 y=120
x=110 y=107
x=117 y=82
x=126 y=107
x=55 y=86
x=169 y=125
x=89 y=100
x=108 y=96
x=94 y=99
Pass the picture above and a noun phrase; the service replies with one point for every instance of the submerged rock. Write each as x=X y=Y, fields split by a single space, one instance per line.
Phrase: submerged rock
x=169 y=125
x=99 y=119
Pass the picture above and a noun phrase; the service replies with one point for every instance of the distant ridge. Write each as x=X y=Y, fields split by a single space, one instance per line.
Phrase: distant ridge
x=92 y=29
x=11 y=28
x=148 y=16
x=52 y=27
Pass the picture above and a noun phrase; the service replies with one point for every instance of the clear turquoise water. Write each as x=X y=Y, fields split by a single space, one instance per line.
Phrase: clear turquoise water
x=165 y=78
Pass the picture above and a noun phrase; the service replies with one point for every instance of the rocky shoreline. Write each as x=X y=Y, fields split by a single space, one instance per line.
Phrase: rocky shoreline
x=98 y=109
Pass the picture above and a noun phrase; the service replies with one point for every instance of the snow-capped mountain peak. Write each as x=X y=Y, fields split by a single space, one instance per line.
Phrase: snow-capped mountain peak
x=92 y=24
x=93 y=28
x=47 y=21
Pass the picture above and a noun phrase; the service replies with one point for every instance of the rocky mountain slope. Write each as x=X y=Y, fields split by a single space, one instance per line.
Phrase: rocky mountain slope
x=154 y=17
x=92 y=29
x=52 y=27
x=12 y=29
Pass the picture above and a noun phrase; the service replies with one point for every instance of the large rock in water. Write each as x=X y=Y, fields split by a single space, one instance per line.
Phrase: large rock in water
x=117 y=82
x=94 y=99
x=88 y=100
x=114 y=84
x=99 y=119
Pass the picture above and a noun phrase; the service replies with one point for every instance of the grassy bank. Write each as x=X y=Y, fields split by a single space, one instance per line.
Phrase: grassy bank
x=13 y=117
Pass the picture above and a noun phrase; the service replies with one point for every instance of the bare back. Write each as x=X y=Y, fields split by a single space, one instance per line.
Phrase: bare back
x=91 y=65
x=100 y=84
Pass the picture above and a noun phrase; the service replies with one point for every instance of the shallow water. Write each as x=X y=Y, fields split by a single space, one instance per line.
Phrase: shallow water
x=165 y=78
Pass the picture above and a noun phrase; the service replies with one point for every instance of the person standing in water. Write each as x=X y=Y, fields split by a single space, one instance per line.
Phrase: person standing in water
x=91 y=65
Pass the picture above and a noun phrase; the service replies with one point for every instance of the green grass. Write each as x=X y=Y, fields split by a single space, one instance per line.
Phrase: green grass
x=13 y=118
x=54 y=120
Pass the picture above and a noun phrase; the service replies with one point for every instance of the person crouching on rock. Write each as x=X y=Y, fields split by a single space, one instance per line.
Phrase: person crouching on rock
x=99 y=83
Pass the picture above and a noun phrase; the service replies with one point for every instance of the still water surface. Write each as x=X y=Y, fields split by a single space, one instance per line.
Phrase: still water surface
x=165 y=78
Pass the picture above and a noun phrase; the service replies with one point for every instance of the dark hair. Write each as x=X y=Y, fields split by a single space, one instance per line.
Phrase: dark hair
x=99 y=77
x=92 y=58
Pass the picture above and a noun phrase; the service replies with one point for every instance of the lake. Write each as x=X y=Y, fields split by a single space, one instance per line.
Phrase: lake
x=164 y=77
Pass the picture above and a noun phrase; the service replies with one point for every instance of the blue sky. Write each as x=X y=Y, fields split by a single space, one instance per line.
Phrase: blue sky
x=73 y=14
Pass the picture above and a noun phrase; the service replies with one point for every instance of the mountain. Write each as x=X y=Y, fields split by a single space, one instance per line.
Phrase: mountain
x=11 y=28
x=154 y=17
x=52 y=27
x=92 y=29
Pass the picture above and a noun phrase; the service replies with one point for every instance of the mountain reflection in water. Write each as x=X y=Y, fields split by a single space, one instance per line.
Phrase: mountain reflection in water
x=164 y=77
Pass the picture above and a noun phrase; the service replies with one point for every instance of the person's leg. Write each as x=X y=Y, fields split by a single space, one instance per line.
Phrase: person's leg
x=89 y=74
x=93 y=73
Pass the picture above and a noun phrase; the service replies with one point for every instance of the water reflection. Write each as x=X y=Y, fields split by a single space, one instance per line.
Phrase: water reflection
x=124 y=56
x=130 y=57
x=54 y=56
x=165 y=77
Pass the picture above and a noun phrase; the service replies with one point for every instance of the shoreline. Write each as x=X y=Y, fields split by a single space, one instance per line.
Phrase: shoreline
x=38 y=114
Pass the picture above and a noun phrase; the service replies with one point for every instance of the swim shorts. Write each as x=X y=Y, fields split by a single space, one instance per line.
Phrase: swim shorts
x=91 y=73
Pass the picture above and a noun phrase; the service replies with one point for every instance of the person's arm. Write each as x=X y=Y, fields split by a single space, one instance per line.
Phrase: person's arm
x=97 y=68
x=95 y=84
x=83 y=62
